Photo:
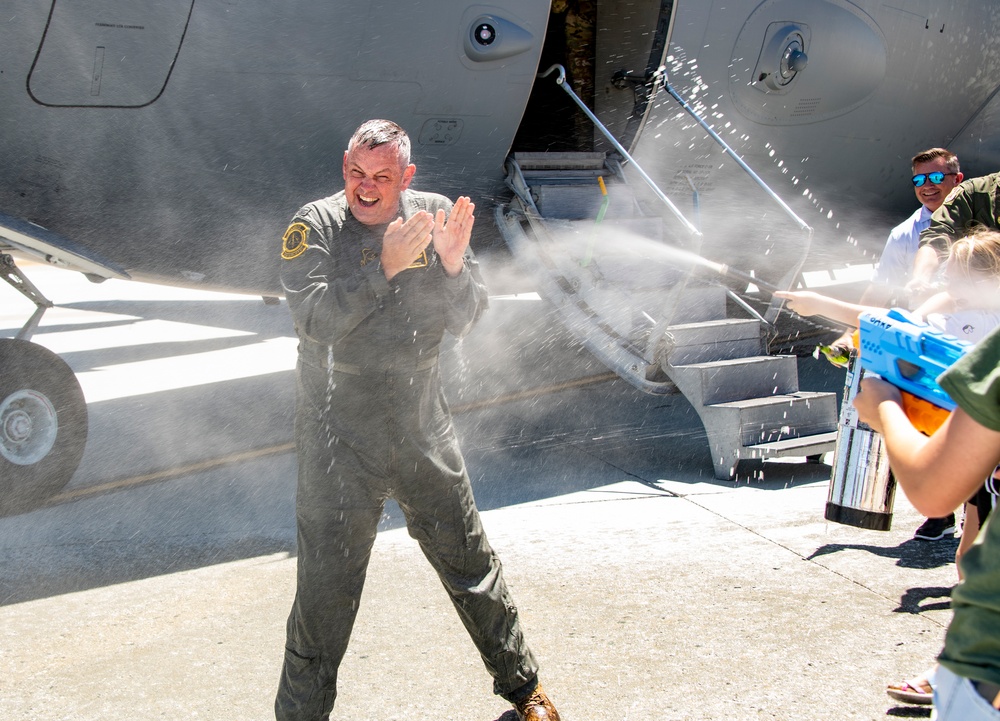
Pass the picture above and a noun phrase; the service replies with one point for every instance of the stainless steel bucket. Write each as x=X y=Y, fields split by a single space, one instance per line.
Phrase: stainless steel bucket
x=862 y=490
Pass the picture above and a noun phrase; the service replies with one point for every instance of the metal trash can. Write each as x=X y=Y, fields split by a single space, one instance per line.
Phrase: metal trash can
x=862 y=489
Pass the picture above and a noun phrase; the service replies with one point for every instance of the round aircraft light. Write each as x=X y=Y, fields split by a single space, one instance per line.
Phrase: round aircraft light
x=782 y=58
x=793 y=60
x=492 y=37
x=485 y=34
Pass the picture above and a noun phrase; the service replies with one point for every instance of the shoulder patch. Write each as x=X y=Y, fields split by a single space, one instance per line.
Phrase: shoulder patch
x=953 y=194
x=293 y=243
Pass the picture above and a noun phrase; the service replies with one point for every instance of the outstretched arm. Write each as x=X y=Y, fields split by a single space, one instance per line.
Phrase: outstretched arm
x=807 y=302
x=938 y=303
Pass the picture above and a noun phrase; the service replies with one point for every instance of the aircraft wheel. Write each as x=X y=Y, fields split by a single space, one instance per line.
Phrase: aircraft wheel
x=43 y=424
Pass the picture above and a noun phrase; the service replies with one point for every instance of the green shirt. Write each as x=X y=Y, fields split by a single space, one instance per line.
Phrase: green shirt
x=972 y=644
x=971 y=203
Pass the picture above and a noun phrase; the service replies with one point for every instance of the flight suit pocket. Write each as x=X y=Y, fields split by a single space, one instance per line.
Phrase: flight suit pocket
x=303 y=690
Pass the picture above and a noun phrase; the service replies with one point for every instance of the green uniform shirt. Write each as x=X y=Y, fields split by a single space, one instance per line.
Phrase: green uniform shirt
x=972 y=645
x=971 y=203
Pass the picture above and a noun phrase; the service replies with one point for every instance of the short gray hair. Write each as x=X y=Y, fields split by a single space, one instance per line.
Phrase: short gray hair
x=373 y=133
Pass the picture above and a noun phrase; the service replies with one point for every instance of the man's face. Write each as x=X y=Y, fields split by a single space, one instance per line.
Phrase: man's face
x=930 y=194
x=373 y=181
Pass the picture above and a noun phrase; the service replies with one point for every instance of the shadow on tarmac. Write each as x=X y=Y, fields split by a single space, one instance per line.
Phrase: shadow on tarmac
x=912 y=600
x=516 y=453
x=912 y=553
x=542 y=446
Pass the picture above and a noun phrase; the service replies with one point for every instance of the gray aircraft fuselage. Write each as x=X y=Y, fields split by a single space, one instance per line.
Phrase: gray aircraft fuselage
x=173 y=140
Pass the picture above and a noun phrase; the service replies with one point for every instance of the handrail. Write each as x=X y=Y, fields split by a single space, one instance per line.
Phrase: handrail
x=660 y=74
x=561 y=80
x=732 y=153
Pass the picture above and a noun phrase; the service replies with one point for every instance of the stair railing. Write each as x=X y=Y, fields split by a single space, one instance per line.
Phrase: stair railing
x=561 y=81
x=659 y=78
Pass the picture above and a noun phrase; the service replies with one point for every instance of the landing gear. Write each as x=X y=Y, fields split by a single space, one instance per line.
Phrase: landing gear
x=43 y=425
x=43 y=415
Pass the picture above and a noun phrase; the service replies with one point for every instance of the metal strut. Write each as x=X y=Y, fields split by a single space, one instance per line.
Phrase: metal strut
x=17 y=280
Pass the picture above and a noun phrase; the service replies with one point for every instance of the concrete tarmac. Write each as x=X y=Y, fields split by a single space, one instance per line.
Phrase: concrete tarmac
x=158 y=583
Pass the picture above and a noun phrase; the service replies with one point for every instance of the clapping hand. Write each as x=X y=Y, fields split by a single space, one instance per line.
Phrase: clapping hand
x=403 y=242
x=451 y=236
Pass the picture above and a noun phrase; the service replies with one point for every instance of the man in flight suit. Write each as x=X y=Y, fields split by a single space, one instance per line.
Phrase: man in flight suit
x=973 y=203
x=374 y=275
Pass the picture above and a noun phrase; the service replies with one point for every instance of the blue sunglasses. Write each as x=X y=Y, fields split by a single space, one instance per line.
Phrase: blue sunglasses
x=936 y=178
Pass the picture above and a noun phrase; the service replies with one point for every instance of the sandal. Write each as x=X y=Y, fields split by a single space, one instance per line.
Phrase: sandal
x=917 y=690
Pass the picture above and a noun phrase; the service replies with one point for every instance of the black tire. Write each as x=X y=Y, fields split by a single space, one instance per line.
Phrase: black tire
x=43 y=425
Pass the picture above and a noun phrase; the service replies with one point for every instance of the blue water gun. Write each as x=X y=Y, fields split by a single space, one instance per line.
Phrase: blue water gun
x=911 y=355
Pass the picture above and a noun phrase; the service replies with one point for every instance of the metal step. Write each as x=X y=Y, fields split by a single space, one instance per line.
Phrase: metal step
x=629 y=309
x=560 y=161
x=578 y=201
x=771 y=418
x=714 y=340
x=738 y=379
x=813 y=445
x=751 y=428
x=578 y=176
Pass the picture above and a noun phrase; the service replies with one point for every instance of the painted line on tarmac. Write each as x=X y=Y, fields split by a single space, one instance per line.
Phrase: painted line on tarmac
x=534 y=392
x=168 y=474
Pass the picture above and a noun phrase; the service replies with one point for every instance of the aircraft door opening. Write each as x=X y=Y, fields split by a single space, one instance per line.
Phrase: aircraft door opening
x=107 y=53
x=596 y=42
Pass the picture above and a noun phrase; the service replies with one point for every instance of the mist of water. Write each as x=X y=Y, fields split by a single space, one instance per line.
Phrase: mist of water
x=684 y=156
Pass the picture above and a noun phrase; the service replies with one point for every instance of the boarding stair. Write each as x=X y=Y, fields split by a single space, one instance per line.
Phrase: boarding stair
x=597 y=258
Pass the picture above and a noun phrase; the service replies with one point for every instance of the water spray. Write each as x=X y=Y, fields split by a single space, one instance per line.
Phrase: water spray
x=726 y=271
x=659 y=78
x=600 y=216
x=694 y=260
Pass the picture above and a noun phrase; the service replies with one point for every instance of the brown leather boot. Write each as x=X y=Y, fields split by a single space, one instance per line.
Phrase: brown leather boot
x=536 y=707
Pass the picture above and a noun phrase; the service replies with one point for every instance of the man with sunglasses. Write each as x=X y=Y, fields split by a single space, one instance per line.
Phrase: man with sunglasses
x=935 y=173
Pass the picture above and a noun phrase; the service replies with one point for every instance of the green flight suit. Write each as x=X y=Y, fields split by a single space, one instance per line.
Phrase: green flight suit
x=372 y=423
x=971 y=203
